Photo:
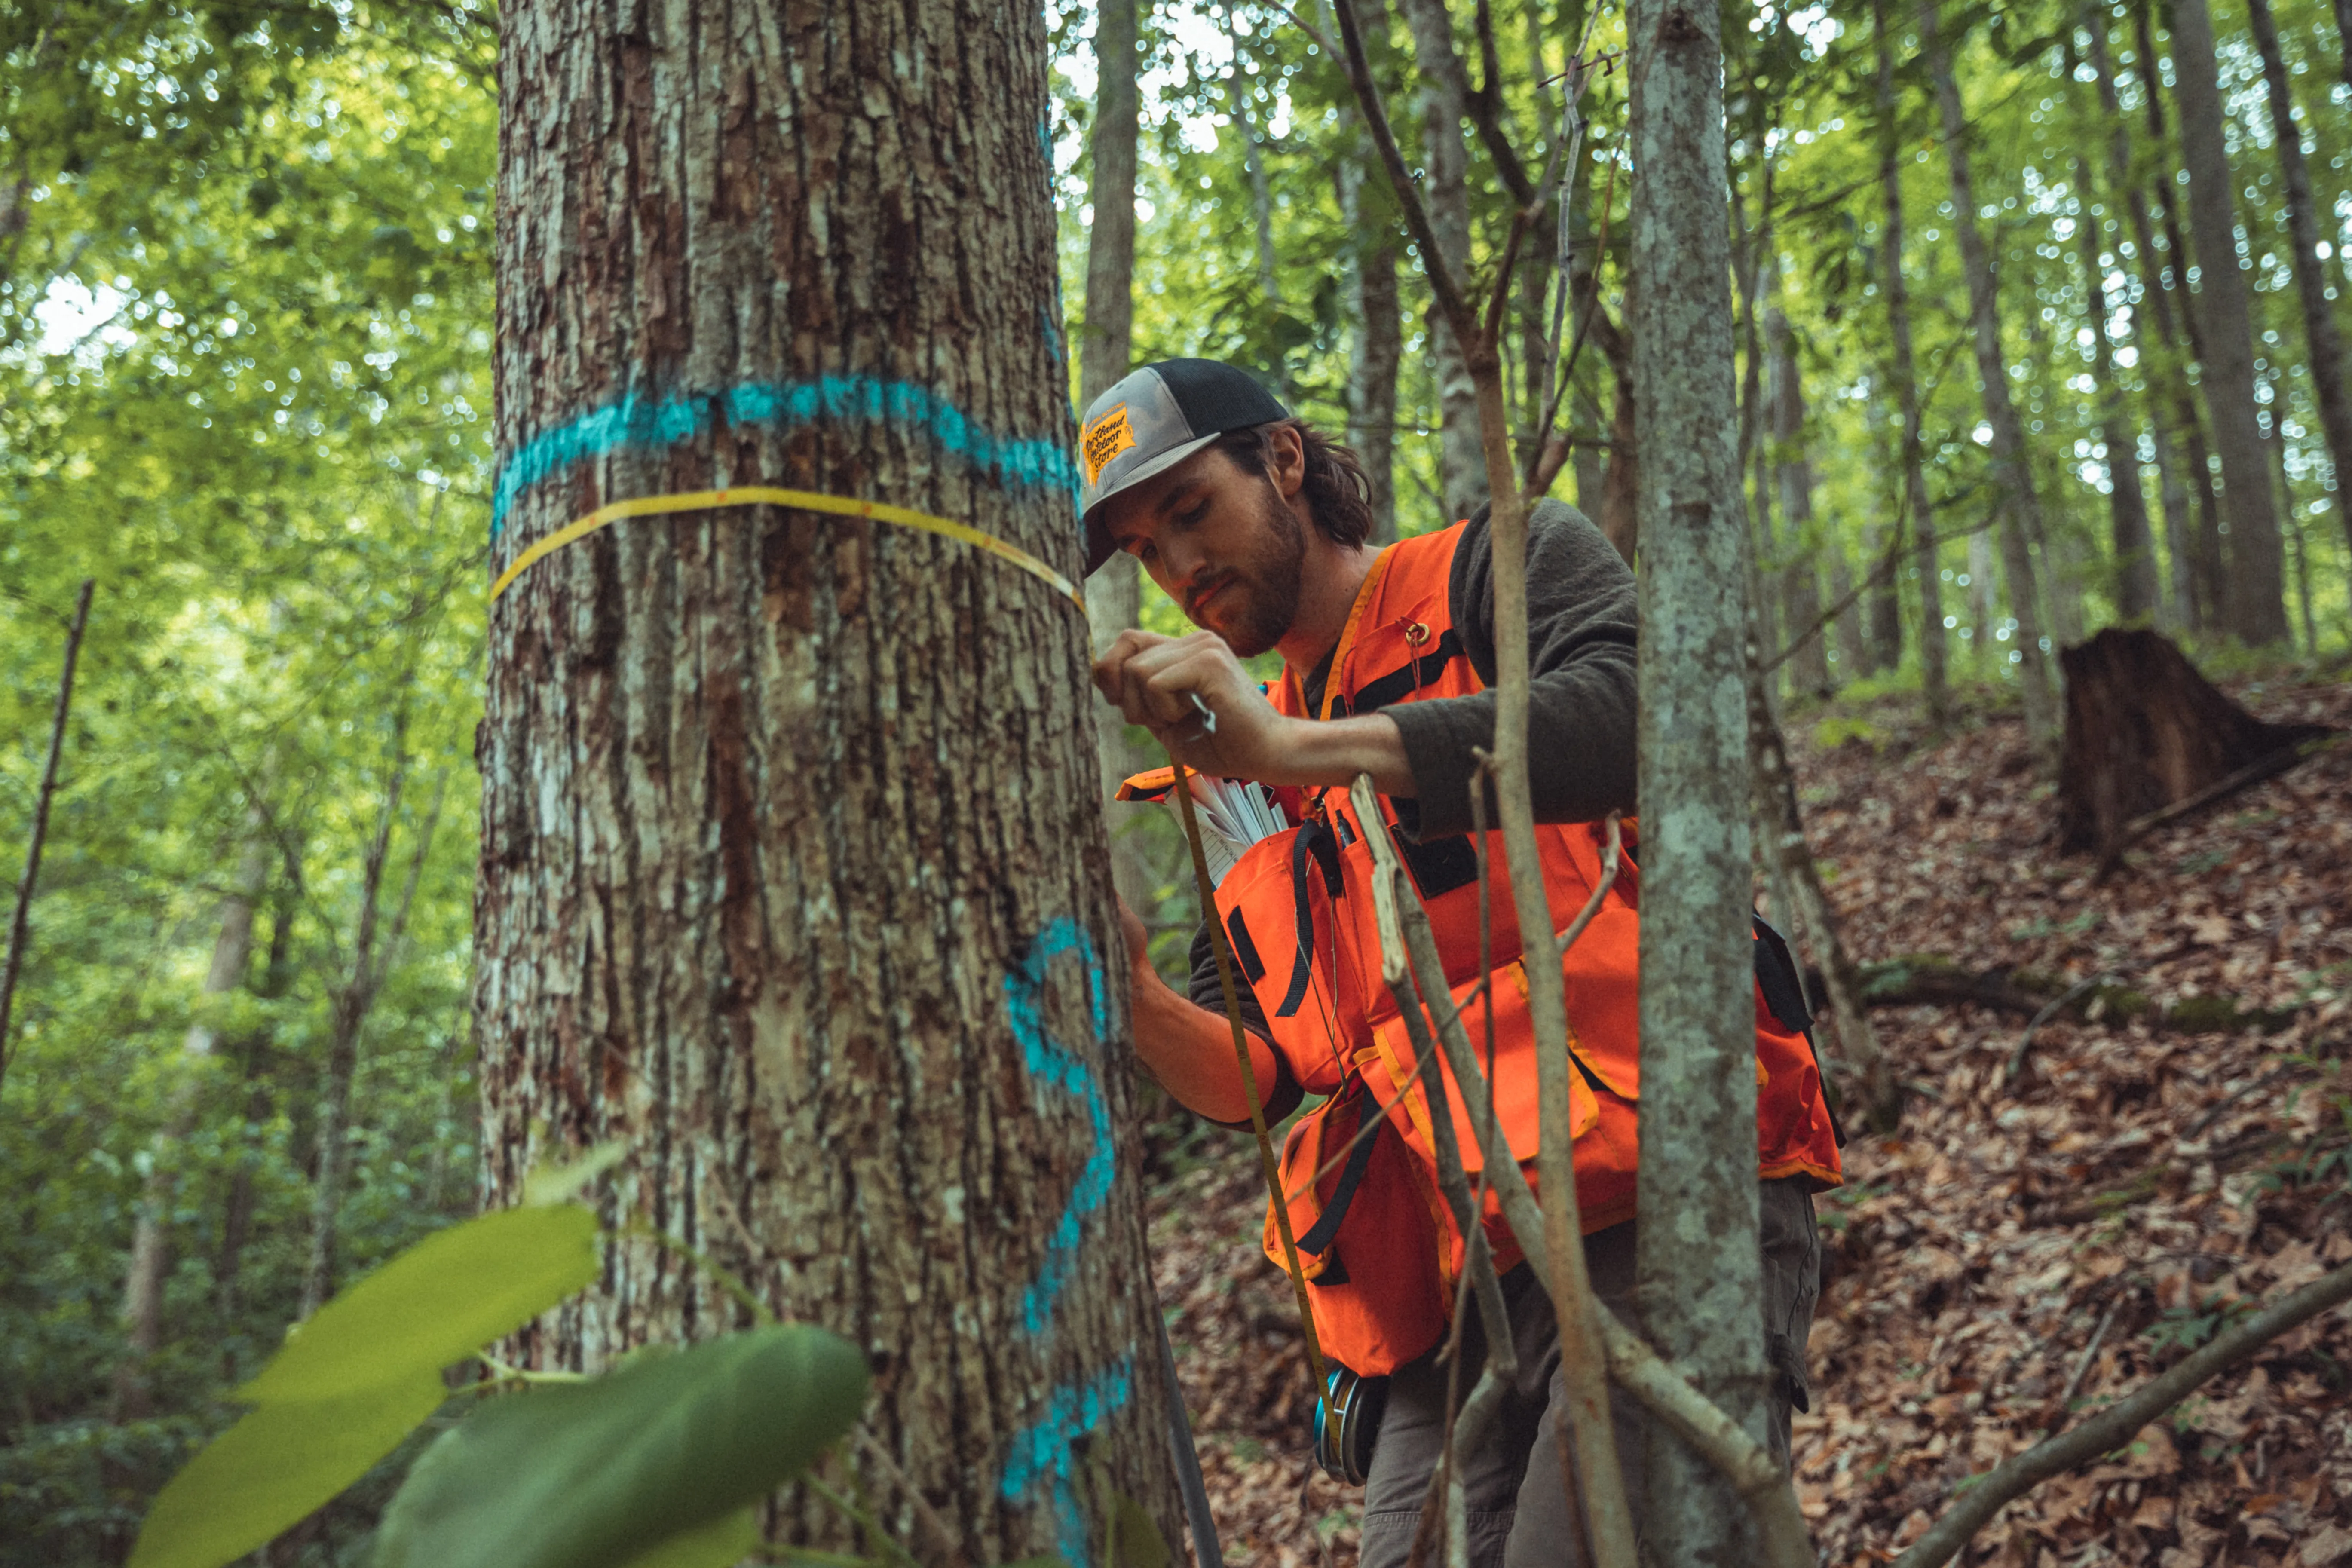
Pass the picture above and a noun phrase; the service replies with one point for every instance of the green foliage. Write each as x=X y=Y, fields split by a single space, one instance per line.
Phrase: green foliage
x=596 y=1475
x=360 y=1376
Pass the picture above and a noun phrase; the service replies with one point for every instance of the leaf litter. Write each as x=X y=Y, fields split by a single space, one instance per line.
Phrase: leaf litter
x=2021 y=1254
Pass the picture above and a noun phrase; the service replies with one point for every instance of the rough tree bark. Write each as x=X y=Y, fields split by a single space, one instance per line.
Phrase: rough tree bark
x=20 y=919
x=1445 y=155
x=1114 y=594
x=793 y=876
x=2134 y=549
x=1698 y=1270
x=151 y=1230
x=2257 y=554
x=2012 y=474
x=1905 y=372
x=2322 y=336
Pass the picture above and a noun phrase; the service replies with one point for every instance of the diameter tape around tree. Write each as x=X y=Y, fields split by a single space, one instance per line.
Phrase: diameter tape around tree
x=802 y=500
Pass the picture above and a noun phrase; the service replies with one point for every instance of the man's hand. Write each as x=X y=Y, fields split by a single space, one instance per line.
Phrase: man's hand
x=1153 y=680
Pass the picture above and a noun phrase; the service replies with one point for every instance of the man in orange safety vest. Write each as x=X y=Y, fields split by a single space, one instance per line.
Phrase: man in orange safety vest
x=1258 y=526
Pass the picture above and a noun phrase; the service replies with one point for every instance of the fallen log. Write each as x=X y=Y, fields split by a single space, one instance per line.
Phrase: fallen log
x=1928 y=980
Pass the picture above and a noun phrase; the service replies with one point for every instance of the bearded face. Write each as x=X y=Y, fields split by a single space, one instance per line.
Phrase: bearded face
x=1251 y=598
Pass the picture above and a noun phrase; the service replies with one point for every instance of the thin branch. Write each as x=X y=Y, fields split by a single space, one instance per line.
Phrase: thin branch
x=20 y=924
x=2113 y=1427
x=2025 y=1041
x=1442 y=281
x=2089 y=1350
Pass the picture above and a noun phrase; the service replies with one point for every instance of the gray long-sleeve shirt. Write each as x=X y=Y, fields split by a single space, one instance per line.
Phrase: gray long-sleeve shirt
x=1580 y=702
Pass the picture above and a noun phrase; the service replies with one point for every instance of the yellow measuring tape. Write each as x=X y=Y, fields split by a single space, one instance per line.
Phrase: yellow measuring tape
x=803 y=500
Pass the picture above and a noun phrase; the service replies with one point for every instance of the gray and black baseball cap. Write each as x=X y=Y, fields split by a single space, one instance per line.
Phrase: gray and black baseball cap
x=1159 y=415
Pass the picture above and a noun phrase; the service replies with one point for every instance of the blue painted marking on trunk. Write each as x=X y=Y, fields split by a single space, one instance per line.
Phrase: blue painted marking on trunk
x=1046 y=1059
x=1046 y=1450
x=642 y=423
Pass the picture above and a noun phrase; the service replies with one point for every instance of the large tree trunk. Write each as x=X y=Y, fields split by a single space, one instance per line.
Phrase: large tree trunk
x=1377 y=344
x=2257 y=587
x=793 y=877
x=2013 y=473
x=2134 y=549
x=2144 y=731
x=1696 y=1257
x=1905 y=376
x=150 y=1231
x=1114 y=594
x=1445 y=156
x=2322 y=336
x=1800 y=575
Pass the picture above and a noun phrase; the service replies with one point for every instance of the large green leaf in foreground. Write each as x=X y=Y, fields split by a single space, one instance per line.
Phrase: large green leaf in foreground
x=362 y=1375
x=598 y=1475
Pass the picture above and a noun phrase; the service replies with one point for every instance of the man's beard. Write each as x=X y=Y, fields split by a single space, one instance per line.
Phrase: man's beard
x=1261 y=597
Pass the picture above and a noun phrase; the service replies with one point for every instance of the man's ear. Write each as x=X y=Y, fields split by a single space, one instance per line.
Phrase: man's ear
x=1286 y=454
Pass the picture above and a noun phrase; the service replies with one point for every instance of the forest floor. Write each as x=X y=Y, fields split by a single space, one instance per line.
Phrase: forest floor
x=2078 y=1229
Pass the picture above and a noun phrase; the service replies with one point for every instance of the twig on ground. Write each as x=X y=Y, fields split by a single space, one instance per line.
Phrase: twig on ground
x=2220 y=789
x=2113 y=1427
x=2083 y=1365
x=2025 y=1041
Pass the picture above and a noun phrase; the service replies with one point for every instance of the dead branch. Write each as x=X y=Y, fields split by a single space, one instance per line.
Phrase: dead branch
x=2220 y=790
x=2113 y=1427
x=20 y=925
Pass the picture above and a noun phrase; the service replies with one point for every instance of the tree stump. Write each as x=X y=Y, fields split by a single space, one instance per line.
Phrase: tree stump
x=2145 y=732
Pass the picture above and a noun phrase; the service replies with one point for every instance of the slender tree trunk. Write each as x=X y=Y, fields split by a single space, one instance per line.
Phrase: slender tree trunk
x=354 y=1000
x=793 y=876
x=150 y=1231
x=1445 y=155
x=257 y=1071
x=1980 y=601
x=1882 y=602
x=2322 y=336
x=20 y=922
x=2133 y=547
x=2225 y=321
x=1905 y=372
x=1377 y=344
x=2012 y=474
x=1696 y=1257
x=1801 y=578
x=1115 y=592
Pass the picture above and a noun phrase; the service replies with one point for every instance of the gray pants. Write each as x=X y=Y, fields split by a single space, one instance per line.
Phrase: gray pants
x=1519 y=1514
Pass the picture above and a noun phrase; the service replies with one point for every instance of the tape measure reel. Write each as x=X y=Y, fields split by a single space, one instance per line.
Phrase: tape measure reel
x=1347 y=1424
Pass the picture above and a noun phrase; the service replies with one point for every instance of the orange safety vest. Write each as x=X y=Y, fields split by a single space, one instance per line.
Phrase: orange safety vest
x=1377 y=1244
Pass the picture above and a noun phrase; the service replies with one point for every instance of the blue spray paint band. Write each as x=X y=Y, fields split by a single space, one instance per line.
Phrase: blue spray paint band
x=1044 y=1451
x=638 y=424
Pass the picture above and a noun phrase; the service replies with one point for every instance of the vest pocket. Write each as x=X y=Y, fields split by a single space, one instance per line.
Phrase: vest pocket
x=1278 y=903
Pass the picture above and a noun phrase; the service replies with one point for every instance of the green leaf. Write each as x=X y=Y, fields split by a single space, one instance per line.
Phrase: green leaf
x=721 y=1544
x=273 y=1468
x=562 y=1183
x=596 y=1474
x=440 y=1301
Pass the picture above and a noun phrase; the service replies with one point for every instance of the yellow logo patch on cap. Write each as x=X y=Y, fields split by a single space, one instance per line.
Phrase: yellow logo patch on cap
x=1104 y=439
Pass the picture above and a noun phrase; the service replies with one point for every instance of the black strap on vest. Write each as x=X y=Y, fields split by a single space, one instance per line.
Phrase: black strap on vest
x=1326 y=1230
x=1776 y=976
x=1315 y=838
x=1401 y=682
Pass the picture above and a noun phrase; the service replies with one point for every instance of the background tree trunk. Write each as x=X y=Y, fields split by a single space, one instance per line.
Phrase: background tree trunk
x=1445 y=155
x=1378 y=343
x=1115 y=592
x=1698 y=1271
x=1801 y=578
x=1904 y=372
x=793 y=876
x=1269 y=280
x=2134 y=549
x=2323 y=338
x=20 y=918
x=2257 y=559
x=150 y=1231
x=2013 y=475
